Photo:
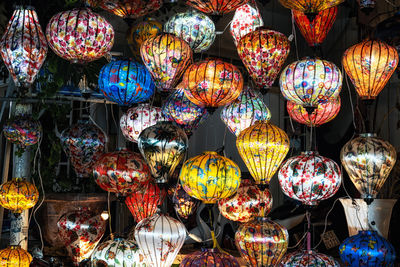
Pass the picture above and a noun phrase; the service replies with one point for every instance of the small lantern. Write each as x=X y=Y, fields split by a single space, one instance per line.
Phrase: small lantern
x=18 y=195
x=15 y=256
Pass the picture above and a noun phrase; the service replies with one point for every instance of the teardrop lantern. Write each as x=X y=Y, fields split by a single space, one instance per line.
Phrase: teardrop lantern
x=209 y=258
x=310 y=7
x=129 y=9
x=23 y=131
x=216 y=7
x=13 y=256
x=307 y=258
x=18 y=195
x=184 y=204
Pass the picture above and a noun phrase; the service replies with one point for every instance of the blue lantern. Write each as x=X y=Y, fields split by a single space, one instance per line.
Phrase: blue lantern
x=126 y=82
x=367 y=249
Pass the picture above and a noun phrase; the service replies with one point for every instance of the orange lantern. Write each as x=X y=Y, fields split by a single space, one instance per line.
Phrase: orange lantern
x=18 y=195
x=15 y=256
x=216 y=7
x=310 y=7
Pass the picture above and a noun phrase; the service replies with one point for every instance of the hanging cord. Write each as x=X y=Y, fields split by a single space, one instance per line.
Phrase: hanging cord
x=294 y=36
x=109 y=216
x=212 y=232
x=351 y=101
x=308 y=216
x=326 y=223
x=298 y=243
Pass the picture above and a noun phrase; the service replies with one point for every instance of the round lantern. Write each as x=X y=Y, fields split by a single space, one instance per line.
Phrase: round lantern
x=184 y=204
x=367 y=248
x=23 y=46
x=310 y=82
x=18 y=195
x=310 y=7
x=160 y=238
x=125 y=82
x=308 y=258
x=209 y=258
x=370 y=64
x=309 y=178
x=166 y=57
x=368 y=161
x=79 y=35
x=163 y=145
x=263 y=53
x=244 y=111
x=129 y=9
x=84 y=143
x=15 y=256
x=216 y=7
x=210 y=177
x=262 y=147
x=248 y=203
x=23 y=131
x=262 y=242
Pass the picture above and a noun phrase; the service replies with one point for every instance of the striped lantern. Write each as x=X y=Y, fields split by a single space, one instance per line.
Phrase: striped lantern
x=216 y=7
x=209 y=258
x=310 y=7
x=307 y=258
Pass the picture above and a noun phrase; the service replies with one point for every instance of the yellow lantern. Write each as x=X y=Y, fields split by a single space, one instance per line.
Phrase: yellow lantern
x=18 y=195
x=210 y=177
x=15 y=256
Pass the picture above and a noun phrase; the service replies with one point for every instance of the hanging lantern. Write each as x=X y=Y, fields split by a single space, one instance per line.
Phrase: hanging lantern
x=210 y=177
x=125 y=82
x=310 y=7
x=160 y=238
x=209 y=258
x=310 y=82
x=166 y=57
x=368 y=161
x=18 y=195
x=128 y=9
x=262 y=242
x=263 y=53
x=370 y=64
x=322 y=114
x=262 y=147
x=245 y=111
x=23 y=46
x=315 y=31
x=23 y=131
x=309 y=178
x=84 y=143
x=163 y=145
x=248 y=203
x=307 y=258
x=79 y=35
x=367 y=248
x=184 y=204
x=15 y=256
x=81 y=231
x=216 y=7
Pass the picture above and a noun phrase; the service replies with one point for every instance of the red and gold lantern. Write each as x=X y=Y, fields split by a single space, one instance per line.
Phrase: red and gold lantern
x=216 y=7
x=128 y=9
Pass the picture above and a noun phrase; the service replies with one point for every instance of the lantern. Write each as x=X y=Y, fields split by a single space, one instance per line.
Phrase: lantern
x=163 y=145
x=23 y=131
x=262 y=242
x=194 y=27
x=212 y=83
x=367 y=248
x=248 y=203
x=160 y=238
x=370 y=64
x=166 y=57
x=307 y=258
x=368 y=161
x=18 y=195
x=310 y=82
x=79 y=35
x=128 y=9
x=184 y=204
x=263 y=53
x=322 y=114
x=244 y=111
x=210 y=177
x=262 y=147
x=23 y=46
x=209 y=258
x=125 y=82
x=81 y=231
x=84 y=144
x=216 y=7
x=15 y=256
x=309 y=178
x=310 y=7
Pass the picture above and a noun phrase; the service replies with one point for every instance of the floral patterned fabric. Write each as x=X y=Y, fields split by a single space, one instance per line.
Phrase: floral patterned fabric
x=18 y=195
x=15 y=256
x=209 y=258
x=310 y=6
x=131 y=9
x=23 y=131
x=184 y=204
x=308 y=259
x=216 y=7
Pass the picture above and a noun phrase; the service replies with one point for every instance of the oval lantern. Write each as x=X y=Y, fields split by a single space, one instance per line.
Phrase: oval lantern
x=307 y=258
x=310 y=7
x=367 y=248
x=370 y=64
x=309 y=178
x=18 y=195
x=15 y=256
x=166 y=57
x=160 y=238
x=23 y=46
x=210 y=177
x=23 y=131
x=89 y=38
x=263 y=53
x=128 y=9
x=216 y=7
x=209 y=258
x=184 y=204
x=125 y=82
x=368 y=161
x=263 y=147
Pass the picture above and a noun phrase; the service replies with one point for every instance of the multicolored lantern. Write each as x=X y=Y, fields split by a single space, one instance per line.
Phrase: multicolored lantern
x=166 y=57
x=307 y=258
x=184 y=204
x=128 y=9
x=209 y=258
x=23 y=131
x=216 y=7
x=368 y=161
x=18 y=195
x=210 y=177
x=370 y=64
x=79 y=35
x=309 y=178
x=367 y=248
x=310 y=7
x=23 y=46
x=125 y=82
x=263 y=53
x=245 y=111
x=15 y=256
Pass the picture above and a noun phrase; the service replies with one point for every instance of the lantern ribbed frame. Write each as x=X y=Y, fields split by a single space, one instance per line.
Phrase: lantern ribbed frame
x=128 y=9
x=306 y=258
x=312 y=7
x=216 y=7
x=209 y=258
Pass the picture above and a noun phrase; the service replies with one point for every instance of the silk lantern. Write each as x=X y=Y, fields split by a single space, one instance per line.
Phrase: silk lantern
x=209 y=258
x=128 y=9
x=307 y=258
x=216 y=7
x=184 y=204
x=15 y=256
x=310 y=7
x=23 y=46
x=18 y=195
x=23 y=131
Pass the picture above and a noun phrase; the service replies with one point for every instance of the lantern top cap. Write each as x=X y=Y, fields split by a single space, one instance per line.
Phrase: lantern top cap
x=14 y=246
x=210 y=152
x=310 y=152
x=368 y=135
x=262 y=219
x=22 y=7
x=367 y=232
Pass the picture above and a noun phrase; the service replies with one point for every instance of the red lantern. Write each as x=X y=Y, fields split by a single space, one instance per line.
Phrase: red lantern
x=128 y=9
x=209 y=258
x=216 y=7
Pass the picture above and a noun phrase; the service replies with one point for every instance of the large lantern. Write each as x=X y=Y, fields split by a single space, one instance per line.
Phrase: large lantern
x=166 y=57
x=210 y=177
x=368 y=161
x=184 y=204
x=128 y=9
x=307 y=258
x=18 y=195
x=370 y=64
x=125 y=82
x=263 y=53
x=310 y=7
x=262 y=147
x=13 y=256
x=209 y=258
x=216 y=7
x=309 y=178
x=23 y=46
x=23 y=131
